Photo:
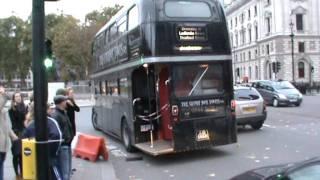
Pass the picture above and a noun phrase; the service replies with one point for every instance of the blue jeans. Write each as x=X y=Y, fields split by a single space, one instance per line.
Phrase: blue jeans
x=2 y=158
x=55 y=171
x=64 y=159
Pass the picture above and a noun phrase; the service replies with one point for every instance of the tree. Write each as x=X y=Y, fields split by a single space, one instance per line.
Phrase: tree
x=15 y=57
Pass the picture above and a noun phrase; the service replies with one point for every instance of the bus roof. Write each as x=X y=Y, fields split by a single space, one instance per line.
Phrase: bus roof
x=116 y=16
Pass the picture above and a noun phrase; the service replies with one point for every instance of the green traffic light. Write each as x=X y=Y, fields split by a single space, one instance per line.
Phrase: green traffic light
x=48 y=63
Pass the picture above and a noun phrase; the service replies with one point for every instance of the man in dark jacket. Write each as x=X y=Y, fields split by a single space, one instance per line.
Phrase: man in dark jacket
x=61 y=117
x=54 y=138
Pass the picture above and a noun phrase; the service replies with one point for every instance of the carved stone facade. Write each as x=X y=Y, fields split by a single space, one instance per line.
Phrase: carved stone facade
x=260 y=37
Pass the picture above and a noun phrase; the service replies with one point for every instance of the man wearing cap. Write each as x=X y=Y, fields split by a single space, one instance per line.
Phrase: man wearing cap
x=59 y=114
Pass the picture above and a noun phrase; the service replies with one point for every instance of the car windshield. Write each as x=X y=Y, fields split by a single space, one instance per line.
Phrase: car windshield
x=245 y=94
x=282 y=85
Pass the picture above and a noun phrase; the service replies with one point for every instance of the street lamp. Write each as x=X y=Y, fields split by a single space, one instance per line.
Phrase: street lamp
x=292 y=50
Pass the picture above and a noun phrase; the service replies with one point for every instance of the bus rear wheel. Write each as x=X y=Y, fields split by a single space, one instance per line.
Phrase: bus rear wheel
x=125 y=136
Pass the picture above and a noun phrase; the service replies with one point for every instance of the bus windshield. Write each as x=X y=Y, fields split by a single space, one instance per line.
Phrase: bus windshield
x=196 y=80
x=187 y=9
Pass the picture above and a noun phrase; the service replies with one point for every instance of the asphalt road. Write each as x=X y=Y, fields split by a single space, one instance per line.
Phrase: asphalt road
x=290 y=134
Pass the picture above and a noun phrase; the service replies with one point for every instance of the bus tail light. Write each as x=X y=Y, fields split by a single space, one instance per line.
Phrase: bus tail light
x=233 y=107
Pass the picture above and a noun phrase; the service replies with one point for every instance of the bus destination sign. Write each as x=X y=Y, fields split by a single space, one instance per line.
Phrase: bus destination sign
x=192 y=33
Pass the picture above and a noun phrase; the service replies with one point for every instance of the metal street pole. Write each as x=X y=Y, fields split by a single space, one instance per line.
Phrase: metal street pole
x=40 y=90
x=292 y=52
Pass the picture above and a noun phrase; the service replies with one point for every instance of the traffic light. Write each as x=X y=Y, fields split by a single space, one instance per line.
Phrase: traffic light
x=278 y=66
x=48 y=61
x=274 y=68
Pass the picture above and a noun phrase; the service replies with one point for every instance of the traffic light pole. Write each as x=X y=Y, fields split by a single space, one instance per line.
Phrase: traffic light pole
x=40 y=90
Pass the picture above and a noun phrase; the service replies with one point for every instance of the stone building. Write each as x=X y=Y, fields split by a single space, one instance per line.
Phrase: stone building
x=260 y=37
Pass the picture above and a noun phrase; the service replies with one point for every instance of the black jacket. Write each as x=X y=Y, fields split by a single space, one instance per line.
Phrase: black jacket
x=54 y=133
x=71 y=114
x=61 y=117
x=17 y=117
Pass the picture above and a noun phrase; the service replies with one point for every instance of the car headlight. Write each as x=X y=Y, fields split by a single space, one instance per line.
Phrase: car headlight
x=300 y=95
x=281 y=96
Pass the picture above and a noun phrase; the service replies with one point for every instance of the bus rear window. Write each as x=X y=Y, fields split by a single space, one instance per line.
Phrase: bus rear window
x=187 y=9
x=198 y=80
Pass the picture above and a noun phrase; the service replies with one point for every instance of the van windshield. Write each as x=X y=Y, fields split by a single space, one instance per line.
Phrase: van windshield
x=282 y=85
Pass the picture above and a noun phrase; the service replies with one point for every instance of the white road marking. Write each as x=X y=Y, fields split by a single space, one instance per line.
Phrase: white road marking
x=266 y=157
x=212 y=175
x=267 y=148
x=118 y=153
x=269 y=126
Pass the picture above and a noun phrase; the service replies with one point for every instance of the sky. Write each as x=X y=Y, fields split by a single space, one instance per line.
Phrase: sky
x=76 y=8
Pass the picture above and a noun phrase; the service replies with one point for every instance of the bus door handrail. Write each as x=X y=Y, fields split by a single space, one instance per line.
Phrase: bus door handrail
x=150 y=117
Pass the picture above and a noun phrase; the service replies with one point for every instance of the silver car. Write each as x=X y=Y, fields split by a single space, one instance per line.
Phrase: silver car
x=250 y=107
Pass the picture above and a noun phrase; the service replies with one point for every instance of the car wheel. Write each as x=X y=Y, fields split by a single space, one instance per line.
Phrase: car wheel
x=257 y=125
x=298 y=104
x=94 y=119
x=275 y=102
x=125 y=136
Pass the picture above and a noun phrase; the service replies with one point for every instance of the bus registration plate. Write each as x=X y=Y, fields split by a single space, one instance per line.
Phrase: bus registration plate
x=203 y=135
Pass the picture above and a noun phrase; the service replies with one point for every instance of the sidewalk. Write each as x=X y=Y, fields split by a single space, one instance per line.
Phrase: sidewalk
x=99 y=170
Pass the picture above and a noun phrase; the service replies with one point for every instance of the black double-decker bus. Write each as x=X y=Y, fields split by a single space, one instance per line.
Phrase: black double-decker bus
x=162 y=75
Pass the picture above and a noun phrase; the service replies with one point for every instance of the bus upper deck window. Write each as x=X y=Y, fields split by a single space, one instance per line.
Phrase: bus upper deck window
x=187 y=9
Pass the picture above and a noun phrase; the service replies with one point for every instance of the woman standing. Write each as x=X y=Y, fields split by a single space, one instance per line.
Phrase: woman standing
x=17 y=113
x=5 y=131
x=72 y=107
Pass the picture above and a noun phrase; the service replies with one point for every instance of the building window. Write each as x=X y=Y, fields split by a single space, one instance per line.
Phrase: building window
x=268 y=2
x=242 y=18
x=236 y=21
x=249 y=14
x=257 y=72
x=249 y=55
x=231 y=40
x=299 y=22
x=250 y=36
x=268 y=49
x=255 y=11
x=256 y=30
x=231 y=24
x=301 y=47
x=268 y=23
x=250 y=72
x=301 y=69
x=237 y=40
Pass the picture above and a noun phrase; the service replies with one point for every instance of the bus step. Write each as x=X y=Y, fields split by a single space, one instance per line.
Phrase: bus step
x=160 y=147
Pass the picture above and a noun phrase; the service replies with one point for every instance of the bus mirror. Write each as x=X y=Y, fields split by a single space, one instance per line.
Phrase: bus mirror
x=135 y=100
x=167 y=81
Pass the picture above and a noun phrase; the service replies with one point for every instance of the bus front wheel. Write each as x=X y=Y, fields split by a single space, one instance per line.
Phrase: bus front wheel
x=125 y=135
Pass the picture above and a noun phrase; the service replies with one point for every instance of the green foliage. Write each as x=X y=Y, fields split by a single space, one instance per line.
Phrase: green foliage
x=15 y=43
x=71 y=43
